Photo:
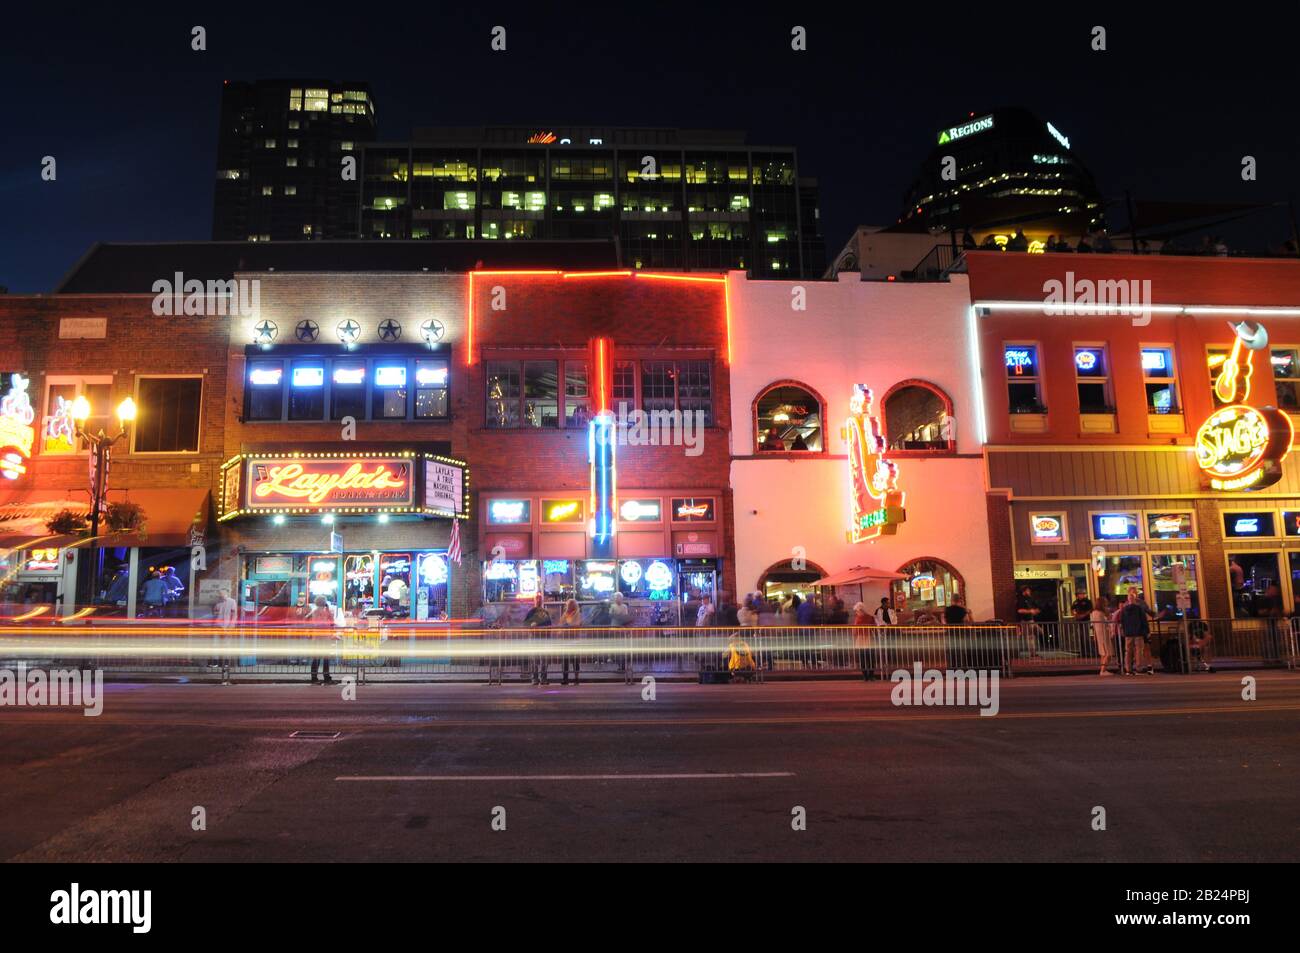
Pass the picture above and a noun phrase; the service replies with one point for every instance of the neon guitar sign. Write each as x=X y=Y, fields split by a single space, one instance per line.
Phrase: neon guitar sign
x=875 y=502
x=1241 y=447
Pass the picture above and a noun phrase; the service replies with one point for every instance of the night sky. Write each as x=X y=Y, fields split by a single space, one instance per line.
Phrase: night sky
x=130 y=112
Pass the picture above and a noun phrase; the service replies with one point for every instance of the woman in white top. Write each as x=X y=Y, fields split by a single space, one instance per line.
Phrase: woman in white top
x=1102 y=634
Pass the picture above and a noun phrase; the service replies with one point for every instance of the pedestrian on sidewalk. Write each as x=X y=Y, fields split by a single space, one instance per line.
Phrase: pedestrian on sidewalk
x=1103 y=633
x=1136 y=629
x=862 y=626
x=571 y=619
x=318 y=616
x=225 y=612
x=539 y=618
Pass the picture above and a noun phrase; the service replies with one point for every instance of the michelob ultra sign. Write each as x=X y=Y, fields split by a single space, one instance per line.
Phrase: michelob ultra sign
x=305 y=483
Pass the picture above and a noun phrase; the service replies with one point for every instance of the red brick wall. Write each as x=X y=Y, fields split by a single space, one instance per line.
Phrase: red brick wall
x=647 y=319
x=1001 y=559
x=137 y=344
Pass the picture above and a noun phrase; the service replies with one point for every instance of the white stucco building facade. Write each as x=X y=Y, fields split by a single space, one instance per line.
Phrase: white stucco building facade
x=793 y=373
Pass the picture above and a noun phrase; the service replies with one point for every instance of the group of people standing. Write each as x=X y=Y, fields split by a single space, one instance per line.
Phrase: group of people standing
x=1129 y=621
x=163 y=593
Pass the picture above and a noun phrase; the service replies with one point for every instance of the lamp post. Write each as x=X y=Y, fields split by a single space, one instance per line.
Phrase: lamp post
x=100 y=445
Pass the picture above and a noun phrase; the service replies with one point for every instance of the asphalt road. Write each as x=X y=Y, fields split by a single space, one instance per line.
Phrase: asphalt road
x=1183 y=767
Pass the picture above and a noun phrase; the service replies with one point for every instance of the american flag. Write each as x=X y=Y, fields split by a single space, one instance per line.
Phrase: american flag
x=453 y=548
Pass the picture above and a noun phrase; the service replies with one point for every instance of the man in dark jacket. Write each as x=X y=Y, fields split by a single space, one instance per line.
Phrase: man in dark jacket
x=1135 y=629
x=538 y=618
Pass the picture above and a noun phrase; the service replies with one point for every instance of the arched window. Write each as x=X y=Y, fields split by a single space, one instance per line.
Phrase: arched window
x=781 y=579
x=918 y=418
x=788 y=419
x=928 y=585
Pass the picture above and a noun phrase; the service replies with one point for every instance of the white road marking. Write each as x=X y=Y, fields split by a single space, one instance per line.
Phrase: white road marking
x=720 y=776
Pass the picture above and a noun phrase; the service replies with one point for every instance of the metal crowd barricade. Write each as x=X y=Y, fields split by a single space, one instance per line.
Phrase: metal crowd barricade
x=497 y=655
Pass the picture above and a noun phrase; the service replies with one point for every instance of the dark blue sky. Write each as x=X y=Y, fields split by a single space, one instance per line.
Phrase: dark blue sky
x=130 y=112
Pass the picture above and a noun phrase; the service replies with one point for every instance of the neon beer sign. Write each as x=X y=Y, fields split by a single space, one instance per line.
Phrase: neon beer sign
x=1240 y=447
x=319 y=484
x=875 y=502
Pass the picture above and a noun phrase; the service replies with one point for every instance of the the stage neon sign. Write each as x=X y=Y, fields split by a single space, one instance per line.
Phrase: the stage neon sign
x=875 y=502
x=1241 y=447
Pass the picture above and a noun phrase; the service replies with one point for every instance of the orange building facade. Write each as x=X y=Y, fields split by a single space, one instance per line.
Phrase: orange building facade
x=1138 y=418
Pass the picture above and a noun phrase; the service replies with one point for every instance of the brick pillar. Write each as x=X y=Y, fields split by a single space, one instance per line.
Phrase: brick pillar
x=1001 y=562
x=1216 y=601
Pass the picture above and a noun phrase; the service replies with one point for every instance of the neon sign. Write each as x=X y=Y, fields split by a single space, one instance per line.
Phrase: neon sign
x=1047 y=529
x=875 y=502
x=564 y=511
x=60 y=429
x=16 y=432
x=601 y=458
x=1240 y=447
x=317 y=484
x=966 y=129
x=42 y=560
x=659 y=576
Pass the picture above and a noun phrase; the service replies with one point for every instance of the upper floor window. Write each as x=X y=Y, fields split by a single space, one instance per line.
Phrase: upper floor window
x=788 y=417
x=168 y=410
x=1286 y=377
x=917 y=416
x=1160 y=380
x=528 y=394
x=58 y=428
x=364 y=388
x=1092 y=379
x=665 y=385
x=1024 y=386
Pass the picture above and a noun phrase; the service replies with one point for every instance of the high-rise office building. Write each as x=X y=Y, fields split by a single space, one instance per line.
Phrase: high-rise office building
x=280 y=159
x=674 y=198
x=1010 y=169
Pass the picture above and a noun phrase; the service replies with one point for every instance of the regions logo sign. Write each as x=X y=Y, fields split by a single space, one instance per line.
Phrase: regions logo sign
x=966 y=129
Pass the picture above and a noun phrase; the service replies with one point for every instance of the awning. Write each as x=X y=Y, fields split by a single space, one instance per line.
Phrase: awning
x=851 y=577
x=169 y=516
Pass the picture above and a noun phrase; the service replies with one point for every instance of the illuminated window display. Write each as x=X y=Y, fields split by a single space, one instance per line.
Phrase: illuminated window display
x=1166 y=571
x=927 y=584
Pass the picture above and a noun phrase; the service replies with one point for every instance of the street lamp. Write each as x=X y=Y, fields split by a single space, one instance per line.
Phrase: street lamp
x=100 y=445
